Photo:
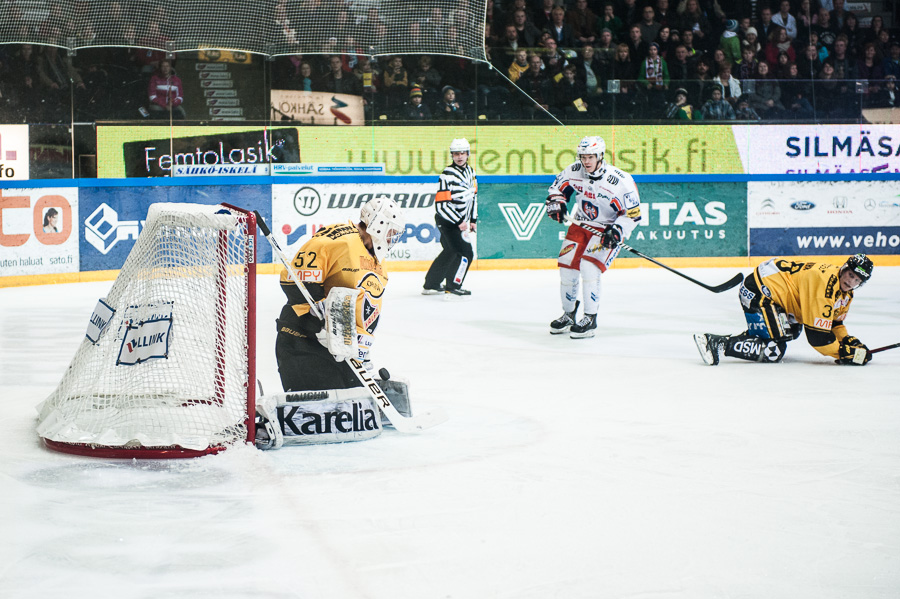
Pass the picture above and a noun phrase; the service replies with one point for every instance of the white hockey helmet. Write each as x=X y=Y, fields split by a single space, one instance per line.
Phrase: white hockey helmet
x=460 y=145
x=384 y=223
x=592 y=144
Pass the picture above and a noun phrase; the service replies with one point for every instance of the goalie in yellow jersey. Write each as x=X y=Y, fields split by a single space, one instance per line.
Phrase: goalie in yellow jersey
x=780 y=297
x=348 y=258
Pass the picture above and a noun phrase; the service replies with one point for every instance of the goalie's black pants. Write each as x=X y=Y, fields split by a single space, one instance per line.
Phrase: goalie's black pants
x=452 y=264
x=305 y=365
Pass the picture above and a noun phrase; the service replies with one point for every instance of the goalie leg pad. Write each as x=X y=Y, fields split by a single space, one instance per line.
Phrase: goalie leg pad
x=332 y=416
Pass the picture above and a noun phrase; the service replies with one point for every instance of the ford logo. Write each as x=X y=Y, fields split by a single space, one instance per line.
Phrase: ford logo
x=803 y=205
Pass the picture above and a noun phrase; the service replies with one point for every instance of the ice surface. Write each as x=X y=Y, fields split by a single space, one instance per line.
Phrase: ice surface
x=615 y=467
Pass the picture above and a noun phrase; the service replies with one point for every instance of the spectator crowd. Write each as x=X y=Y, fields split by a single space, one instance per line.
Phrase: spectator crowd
x=695 y=59
x=570 y=59
x=747 y=60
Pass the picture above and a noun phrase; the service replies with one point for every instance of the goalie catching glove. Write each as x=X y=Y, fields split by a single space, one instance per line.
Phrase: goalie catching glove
x=612 y=236
x=852 y=351
x=339 y=333
x=556 y=209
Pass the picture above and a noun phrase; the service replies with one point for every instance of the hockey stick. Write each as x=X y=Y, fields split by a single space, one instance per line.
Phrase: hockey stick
x=403 y=424
x=886 y=347
x=729 y=284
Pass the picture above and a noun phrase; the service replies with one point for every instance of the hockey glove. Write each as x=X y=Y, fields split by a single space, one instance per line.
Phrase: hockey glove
x=612 y=236
x=556 y=209
x=852 y=351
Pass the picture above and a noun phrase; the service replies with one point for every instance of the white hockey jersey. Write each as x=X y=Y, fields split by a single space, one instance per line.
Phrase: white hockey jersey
x=608 y=196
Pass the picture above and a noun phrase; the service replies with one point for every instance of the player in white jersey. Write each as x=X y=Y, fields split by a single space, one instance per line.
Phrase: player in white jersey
x=455 y=213
x=606 y=198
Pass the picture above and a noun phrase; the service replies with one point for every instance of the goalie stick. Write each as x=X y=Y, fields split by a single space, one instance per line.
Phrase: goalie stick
x=729 y=284
x=413 y=424
x=886 y=347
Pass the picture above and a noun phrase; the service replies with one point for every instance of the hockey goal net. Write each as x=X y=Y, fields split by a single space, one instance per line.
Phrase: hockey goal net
x=167 y=367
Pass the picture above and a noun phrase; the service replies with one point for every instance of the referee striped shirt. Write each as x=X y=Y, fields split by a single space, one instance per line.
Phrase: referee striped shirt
x=456 y=197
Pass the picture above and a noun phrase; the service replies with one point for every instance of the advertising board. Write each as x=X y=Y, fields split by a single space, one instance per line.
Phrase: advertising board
x=678 y=220
x=38 y=231
x=299 y=210
x=14 y=152
x=526 y=150
x=317 y=108
x=152 y=151
x=797 y=218
x=810 y=149
x=111 y=218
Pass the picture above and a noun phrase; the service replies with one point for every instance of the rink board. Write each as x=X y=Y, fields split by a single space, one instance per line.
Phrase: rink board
x=694 y=220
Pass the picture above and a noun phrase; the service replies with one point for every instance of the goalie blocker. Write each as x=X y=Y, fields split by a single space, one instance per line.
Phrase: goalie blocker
x=331 y=416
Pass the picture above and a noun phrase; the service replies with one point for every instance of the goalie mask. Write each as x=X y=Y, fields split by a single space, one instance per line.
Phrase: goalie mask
x=384 y=223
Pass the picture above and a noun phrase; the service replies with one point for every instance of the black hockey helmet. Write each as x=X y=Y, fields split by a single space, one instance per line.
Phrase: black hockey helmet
x=861 y=266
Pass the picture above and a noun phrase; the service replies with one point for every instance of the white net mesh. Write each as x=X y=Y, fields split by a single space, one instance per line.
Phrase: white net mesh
x=270 y=27
x=191 y=263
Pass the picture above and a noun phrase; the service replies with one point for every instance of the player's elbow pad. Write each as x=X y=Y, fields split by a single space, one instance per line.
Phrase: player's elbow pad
x=824 y=342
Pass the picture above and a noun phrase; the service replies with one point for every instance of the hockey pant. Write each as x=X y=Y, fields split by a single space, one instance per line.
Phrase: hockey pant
x=582 y=257
x=304 y=364
x=769 y=327
x=452 y=264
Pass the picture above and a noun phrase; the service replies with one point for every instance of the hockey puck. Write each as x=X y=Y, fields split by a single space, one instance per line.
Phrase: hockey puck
x=384 y=374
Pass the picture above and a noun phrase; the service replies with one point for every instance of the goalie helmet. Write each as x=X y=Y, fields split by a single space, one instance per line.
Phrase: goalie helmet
x=592 y=144
x=384 y=223
x=861 y=266
x=460 y=145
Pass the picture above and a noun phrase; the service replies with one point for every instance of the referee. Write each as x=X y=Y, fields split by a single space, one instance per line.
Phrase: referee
x=456 y=211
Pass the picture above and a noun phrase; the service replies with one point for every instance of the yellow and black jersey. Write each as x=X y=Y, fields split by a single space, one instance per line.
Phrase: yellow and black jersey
x=335 y=257
x=811 y=293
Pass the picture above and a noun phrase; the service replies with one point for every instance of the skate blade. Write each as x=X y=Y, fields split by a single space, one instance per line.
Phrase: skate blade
x=584 y=335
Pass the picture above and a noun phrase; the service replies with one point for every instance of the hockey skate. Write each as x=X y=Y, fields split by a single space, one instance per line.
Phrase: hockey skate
x=428 y=291
x=457 y=291
x=710 y=346
x=584 y=328
x=563 y=323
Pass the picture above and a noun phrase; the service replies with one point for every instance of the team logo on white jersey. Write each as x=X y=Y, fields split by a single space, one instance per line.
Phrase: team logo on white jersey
x=590 y=211
x=523 y=225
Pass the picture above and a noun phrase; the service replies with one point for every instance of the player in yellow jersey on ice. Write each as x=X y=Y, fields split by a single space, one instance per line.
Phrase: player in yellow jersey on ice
x=780 y=297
